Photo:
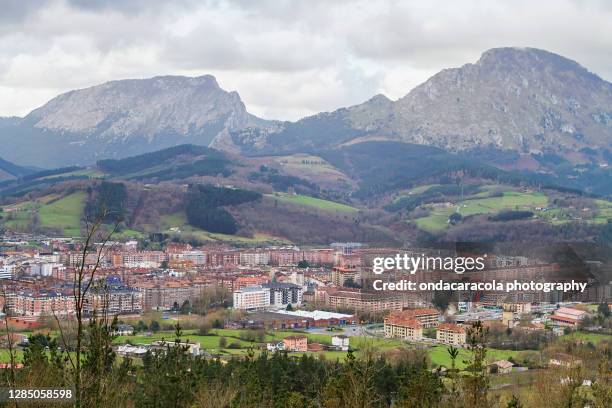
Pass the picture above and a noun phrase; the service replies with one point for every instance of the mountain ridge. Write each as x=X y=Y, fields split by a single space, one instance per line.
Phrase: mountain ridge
x=522 y=99
x=519 y=99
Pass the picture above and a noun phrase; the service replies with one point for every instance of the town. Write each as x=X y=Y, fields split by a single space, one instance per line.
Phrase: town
x=231 y=300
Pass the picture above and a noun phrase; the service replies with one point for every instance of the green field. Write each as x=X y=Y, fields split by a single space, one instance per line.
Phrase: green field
x=604 y=209
x=18 y=219
x=64 y=213
x=587 y=337
x=128 y=234
x=211 y=342
x=510 y=200
x=438 y=354
x=5 y=356
x=414 y=191
x=53 y=212
x=170 y=222
x=440 y=357
x=92 y=173
x=317 y=203
x=304 y=163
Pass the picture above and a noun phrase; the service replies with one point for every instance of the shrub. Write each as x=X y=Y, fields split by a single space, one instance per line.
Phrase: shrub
x=223 y=342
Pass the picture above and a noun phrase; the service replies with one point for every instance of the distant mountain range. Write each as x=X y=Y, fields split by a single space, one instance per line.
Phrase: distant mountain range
x=522 y=100
x=122 y=118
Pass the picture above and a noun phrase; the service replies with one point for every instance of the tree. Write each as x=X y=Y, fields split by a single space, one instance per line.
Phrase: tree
x=476 y=382
x=441 y=300
x=167 y=378
x=604 y=309
x=84 y=277
x=154 y=326
x=141 y=326
x=9 y=339
x=514 y=402
x=185 y=308
x=303 y=264
x=454 y=218
x=423 y=390
x=210 y=297
x=350 y=283
x=602 y=388
x=222 y=342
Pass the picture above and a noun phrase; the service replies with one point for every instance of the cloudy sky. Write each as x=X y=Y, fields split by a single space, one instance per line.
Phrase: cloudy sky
x=287 y=59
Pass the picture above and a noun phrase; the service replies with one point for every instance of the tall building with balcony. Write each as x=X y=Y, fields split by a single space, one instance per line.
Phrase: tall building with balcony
x=283 y=294
x=252 y=298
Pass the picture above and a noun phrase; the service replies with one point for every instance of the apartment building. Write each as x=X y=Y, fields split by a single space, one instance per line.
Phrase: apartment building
x=404 y=326
x=168 y=294
x=252 y=298
x=517 y=307
x=296 y=343
x=449 y=333
x=114 y=300
x=283 y=256
x=341 y=275
x=244 y=281
x=428 y=317
x=358 y=300
x=195 y=257
x=223 y=258
x=283 y=294
x=7 y=271
x=34 y=303
x=254 y=258
x=143 y=259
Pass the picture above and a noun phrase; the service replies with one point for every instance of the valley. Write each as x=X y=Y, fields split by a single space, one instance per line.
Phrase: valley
x=410 y=170
x=293 y=205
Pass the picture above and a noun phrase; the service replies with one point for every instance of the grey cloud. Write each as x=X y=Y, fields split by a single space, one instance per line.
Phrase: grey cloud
x=15 y=11
x=129 y=6
x=286 y=58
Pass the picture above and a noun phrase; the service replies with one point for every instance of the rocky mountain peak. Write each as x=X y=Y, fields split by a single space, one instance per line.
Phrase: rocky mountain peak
x=145 y=107
x=521 y=99
x=512 y=98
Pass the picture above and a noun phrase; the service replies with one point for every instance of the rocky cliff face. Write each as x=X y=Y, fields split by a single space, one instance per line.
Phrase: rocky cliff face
x=123 y=118
x=146 y=108
x=521 y=99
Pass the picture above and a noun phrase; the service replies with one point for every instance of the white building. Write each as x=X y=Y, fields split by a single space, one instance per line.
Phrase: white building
x=44 y=268
x=51 y=257
x=162 y=345
x=252 y=298
x=341 y=342
x=7 y=271
x=297 y=278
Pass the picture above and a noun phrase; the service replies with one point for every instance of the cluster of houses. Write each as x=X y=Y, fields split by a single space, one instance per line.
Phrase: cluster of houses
x=299 y=343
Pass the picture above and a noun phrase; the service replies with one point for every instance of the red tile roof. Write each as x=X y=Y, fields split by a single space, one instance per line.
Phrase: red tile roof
x=451 y=327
